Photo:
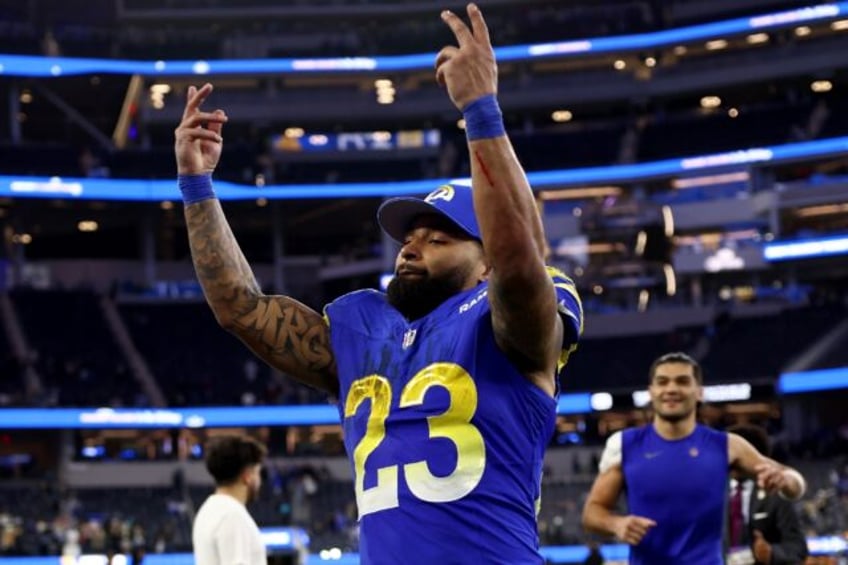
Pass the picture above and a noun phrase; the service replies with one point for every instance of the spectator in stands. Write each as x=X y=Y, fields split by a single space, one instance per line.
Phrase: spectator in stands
x=675 y=473
x=761 y=524
x=224 y=533
x=494 y=325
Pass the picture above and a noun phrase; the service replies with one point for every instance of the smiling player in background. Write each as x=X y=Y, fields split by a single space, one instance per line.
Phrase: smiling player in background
x=675 y=473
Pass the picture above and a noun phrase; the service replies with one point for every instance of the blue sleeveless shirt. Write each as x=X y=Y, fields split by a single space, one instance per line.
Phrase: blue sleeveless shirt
x=445 y=436
x=682 y=486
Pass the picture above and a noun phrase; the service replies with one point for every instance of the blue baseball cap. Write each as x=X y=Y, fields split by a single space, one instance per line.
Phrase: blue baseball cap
x=453 y=201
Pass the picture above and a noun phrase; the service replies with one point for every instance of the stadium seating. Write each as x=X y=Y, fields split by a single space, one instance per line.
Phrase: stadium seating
x=158 y=517
x=194 y=360
x=76 y=355
x=757 y=348
x=11 y=373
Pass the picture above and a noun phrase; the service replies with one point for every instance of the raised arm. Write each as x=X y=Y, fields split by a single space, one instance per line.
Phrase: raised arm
x=283 y=332
x=770 y=474
x=524 y=305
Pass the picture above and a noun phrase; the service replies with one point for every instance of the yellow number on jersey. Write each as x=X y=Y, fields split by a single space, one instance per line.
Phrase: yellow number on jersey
x=454 y=424
x=385 y=493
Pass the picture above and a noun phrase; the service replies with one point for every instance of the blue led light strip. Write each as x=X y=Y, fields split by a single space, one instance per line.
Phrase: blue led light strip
x=158 y=190
x=829 y=545
x=33 y=66
x=158 y=418
x=806 y=248
x=813 y=381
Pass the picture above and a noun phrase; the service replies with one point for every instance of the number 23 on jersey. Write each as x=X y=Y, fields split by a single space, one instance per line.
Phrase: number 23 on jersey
x=454 y=424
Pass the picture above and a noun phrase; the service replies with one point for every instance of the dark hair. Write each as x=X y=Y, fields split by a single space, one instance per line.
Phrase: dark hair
x=676 y=357
x=755 y=435
x=228 y=456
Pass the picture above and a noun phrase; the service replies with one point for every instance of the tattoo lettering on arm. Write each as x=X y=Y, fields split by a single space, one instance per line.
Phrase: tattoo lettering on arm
x=283 y=332
x=291 y=336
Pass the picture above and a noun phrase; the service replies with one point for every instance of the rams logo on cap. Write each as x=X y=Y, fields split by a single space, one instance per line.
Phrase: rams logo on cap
x=444 y=192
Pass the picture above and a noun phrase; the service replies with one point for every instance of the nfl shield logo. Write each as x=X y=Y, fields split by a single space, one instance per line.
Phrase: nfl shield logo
x=409 y=338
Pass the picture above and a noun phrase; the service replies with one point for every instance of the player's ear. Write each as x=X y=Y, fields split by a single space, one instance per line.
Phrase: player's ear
x=484 y=270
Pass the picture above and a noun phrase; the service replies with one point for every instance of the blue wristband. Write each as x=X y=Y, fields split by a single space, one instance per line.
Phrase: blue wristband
x=483 y=119
x=195 y=188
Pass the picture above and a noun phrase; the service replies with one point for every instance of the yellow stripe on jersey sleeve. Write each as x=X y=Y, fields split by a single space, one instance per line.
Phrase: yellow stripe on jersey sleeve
x=573 y=292
x=555 y=274
x=564 y=355
x=562 y=281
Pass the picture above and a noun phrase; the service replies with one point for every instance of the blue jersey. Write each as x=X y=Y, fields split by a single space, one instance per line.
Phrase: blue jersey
x=682 y=486
x=445 y=436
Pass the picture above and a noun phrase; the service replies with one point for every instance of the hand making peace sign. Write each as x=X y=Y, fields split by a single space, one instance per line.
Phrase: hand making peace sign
x=469 y=71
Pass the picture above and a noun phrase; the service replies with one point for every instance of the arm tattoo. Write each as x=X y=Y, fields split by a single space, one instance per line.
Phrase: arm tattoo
x=288 y=334
x=223 y=271
x=282 y=331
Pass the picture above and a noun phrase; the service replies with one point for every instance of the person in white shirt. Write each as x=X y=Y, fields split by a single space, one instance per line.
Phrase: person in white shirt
x=224 y=533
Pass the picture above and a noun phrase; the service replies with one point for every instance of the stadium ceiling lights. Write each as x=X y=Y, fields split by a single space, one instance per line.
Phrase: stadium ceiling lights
x=580 y=193
x=821 y=86
x=561 y=116
x=710 y=102
x=822 y=210
x=756 y=38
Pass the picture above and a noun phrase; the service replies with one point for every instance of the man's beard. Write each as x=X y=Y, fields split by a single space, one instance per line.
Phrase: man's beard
x=418 y=297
